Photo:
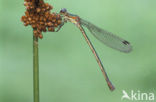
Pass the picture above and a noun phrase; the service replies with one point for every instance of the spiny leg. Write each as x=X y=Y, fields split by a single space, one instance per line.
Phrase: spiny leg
x=60 y=26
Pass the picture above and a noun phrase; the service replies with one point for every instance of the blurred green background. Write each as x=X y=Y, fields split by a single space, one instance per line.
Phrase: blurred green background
x=68 y=70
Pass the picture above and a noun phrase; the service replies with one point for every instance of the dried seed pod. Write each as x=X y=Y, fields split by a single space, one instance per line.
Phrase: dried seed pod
x=53 y=14
x=33 y=21
x=51 y=29
x=46 y=4
x=25 y=3
x=43 y=9
x=54 y=20
x=46 y=16
x=23 y=18
x=50 y=18
x=29 y=18
x=49 y=24
x=41 y=2
x=40 y=36
x=27 y=13
x=55 y=25
x=25 y=24
x=35 y=32
x=34 y=26
x=50 y=7
x=59 y=22
x=41 y=18
x=31 y=15
x=36 y=18
x=38 y=10
x=47 y=13
x=41 y=23
x=44 y=19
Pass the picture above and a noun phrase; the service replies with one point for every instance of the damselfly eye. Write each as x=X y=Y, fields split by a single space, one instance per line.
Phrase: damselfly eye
x=63 y=10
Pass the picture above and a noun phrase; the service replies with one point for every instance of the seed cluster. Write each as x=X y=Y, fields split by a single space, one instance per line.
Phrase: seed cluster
x=40 y=18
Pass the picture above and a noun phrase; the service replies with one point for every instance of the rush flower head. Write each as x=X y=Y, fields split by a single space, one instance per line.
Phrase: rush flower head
x=40 y=18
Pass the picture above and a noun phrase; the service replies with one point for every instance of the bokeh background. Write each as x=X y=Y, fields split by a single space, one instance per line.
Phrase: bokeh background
x=68 y=70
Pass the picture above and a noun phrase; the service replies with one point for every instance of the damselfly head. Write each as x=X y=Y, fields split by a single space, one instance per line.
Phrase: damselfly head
x=64 y=10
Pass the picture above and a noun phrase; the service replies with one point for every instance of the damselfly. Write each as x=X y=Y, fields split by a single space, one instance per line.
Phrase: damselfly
x=105 y=37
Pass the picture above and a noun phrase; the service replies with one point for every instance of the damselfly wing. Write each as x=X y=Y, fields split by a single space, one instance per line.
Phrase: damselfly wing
x=107 y=38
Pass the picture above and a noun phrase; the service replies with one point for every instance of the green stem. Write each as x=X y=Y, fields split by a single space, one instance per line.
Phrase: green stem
x=35 y=69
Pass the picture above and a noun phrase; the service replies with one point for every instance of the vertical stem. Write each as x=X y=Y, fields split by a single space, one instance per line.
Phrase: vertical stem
x=35 y=69
x=35 y=65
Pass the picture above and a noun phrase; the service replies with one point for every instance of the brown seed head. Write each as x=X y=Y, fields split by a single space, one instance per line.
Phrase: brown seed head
x=40 y=18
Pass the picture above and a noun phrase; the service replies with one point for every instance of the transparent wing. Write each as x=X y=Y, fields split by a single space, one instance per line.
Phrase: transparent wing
x=107 y=38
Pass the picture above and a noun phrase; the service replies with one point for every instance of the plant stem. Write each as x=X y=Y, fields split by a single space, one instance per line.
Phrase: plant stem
x=35 y=69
